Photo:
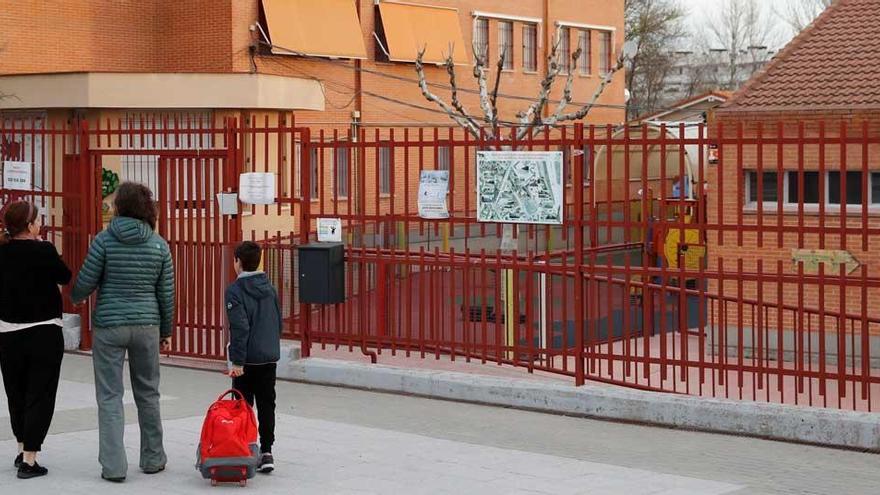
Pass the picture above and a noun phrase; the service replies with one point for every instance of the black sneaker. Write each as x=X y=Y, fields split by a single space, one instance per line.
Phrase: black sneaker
x=18 y=460
x=267 y=463
x=114 y=479
x=27 y=471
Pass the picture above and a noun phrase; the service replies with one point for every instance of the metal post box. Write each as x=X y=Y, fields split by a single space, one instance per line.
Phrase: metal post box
x=322 y=273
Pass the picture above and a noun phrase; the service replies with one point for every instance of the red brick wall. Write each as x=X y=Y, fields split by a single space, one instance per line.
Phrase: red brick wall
x=726 y=208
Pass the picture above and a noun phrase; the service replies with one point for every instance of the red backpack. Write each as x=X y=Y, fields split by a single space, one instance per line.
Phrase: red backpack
x=228 y=448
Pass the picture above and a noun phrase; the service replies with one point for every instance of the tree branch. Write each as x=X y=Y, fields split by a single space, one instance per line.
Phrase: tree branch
x=532 y=116
x=606 y=80
x=495 y=90
x=456 y=103
x=462 y=120
x=482 y=84
x=566 y=93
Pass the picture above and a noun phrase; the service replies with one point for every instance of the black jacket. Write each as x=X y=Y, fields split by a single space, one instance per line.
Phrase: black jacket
x=30 y=273
x=254 y=321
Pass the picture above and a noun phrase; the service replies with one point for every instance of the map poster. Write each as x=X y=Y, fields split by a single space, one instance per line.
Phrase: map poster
x=519 y=187
x=433 y=188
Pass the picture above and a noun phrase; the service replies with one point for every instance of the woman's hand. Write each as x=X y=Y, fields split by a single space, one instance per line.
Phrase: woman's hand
x=166 y=343
x=236 y=371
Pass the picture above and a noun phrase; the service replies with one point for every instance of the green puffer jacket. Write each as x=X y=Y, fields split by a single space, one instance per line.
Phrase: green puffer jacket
x=131 y=267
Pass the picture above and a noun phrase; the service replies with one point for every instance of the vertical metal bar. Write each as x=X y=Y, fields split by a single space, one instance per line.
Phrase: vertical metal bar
x=579 y=263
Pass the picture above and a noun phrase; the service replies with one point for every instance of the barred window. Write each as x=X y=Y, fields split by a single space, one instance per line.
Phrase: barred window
x=481 y=37
x=606 y=54
x=342 y=161
x=530 y=47
x=505 y=43
x=565 y=49
x=586 y=57
x=384 y=170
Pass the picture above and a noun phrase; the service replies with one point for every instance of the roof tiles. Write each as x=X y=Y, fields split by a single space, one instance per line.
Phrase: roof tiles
x=833 y=64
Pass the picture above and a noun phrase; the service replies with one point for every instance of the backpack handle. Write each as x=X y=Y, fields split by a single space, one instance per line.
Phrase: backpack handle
x=233 y=392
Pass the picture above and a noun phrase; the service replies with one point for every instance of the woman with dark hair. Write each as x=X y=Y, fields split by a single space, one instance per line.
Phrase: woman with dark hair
x=31 y=343
x=130 y=267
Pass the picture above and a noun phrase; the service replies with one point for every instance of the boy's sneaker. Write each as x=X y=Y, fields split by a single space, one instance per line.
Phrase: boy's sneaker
x=18 y=460
x=26 y=471
x=267 y=463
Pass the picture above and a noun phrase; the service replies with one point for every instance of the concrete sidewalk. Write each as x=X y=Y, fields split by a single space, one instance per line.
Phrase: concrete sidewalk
x=337 y=440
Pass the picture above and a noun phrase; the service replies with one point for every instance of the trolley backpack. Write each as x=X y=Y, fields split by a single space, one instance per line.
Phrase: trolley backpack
x=228 y=450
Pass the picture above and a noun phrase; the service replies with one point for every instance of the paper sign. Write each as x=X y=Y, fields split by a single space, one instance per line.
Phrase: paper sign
x=329 y=230
x=257 y=188
x=228 y=203
x=433 y=188
x=17 y=175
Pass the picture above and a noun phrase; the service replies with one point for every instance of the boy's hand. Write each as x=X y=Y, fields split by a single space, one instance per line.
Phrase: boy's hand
x=236 y=371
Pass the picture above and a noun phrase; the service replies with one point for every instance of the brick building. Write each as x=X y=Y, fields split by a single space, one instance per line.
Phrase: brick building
x=815 y=193
x=338 y=65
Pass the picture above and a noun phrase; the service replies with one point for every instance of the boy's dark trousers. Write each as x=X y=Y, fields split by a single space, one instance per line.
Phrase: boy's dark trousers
x=258 y=382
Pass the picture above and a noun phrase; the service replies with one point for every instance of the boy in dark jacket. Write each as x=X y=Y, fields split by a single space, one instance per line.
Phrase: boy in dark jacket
x=254 y=342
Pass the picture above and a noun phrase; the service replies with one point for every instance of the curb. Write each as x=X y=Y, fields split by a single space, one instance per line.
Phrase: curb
x=826 y=427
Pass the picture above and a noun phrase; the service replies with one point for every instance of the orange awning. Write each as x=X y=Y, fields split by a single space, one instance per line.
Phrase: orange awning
x=328 y=28
x=409 y=28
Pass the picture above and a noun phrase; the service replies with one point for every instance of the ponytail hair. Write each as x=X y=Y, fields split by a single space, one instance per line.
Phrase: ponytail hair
x=18 y=217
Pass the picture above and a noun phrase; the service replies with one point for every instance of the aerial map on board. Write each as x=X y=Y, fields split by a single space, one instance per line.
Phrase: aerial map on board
x=519 y=186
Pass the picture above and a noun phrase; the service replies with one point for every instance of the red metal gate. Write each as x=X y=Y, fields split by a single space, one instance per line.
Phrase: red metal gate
x=733 y=263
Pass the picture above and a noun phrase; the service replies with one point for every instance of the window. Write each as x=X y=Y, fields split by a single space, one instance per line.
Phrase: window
x=315 y=174
x=530 y=47
x=769 y=189
x=189 y=133
x=564 y=49
x=384 y=170
x=588 y=163
x=481 y=37
x=606 y=53
x=342 y=179
x=443 y=158
x=811 y=188
x=586 y=56
x=505 y=43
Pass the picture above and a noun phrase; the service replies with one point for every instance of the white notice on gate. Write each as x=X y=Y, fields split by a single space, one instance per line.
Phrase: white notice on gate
x=329 y=230
x=17 y=175
x=257 y=188
x=433 y=189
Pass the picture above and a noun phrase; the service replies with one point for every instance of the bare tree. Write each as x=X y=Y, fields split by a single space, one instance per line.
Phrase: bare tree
x=653 y=27
x=800 y=13
x=532 y=117
x=740 y=32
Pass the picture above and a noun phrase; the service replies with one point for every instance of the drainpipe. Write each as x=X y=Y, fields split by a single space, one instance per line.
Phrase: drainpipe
x=548 y=42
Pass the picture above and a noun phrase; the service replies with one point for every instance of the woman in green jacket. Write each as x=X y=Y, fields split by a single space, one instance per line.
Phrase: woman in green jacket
x=130 y=267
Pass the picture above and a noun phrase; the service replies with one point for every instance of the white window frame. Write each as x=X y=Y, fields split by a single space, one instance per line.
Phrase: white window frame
x=789 y=206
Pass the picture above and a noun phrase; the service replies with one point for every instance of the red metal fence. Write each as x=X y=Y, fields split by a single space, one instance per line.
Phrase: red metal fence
x=735 y=263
